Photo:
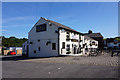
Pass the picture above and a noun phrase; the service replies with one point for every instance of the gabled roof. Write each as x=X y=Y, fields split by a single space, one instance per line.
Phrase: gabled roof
x=93 y=34
x=61 y=25
x=86 y=37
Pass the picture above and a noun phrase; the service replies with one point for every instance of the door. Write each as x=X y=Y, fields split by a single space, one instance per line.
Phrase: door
x=74 y=49
x=119 y=46
x=27 y=50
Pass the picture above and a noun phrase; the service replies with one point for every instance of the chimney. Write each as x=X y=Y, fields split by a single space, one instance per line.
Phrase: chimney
x=90 y=31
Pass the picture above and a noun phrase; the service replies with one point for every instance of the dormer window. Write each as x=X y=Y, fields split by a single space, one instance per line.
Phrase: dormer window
x=62 y=30
x=93 y=43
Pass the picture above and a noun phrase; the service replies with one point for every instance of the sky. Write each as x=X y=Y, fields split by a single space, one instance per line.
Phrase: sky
x=19 y=17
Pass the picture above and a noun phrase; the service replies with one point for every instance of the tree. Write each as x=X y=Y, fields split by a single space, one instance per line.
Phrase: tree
x=13 y=41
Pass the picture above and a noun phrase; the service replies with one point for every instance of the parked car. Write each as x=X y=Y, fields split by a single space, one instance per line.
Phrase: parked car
x=11 y=53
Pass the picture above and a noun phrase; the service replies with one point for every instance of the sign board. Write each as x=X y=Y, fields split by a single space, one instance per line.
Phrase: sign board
x=74 y=36
x=40 y=28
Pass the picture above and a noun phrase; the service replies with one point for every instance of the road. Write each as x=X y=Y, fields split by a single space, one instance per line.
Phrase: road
x=35 y=68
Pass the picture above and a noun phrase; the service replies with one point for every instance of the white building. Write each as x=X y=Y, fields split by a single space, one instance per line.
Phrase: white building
x=48 y=38
x=111 y=43
x=89 y=45
x=14 y=48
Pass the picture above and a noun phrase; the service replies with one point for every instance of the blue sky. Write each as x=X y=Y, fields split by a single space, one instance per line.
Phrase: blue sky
x=19 y=17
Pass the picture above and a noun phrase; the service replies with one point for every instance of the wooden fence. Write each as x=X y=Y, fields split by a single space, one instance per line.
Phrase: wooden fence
x=19 y=52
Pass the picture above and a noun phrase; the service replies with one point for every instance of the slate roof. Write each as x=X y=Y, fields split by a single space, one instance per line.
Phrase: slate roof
x=86 y=37
x=93 y=35
x=61 y=25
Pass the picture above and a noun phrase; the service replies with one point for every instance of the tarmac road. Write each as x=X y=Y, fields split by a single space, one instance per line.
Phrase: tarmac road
x=23 y=69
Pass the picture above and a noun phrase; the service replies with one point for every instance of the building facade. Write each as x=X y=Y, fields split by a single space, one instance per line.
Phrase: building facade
x=112 y=43
x=48 y=38
x=96 y=36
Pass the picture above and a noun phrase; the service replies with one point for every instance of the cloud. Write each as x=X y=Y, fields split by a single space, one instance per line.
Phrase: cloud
x=17 y=18
x=3 y=30
x=17 y=25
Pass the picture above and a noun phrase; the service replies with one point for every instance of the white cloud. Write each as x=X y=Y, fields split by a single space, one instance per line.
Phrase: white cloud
x=3 y=30
x=17 y=18
x=17 y=25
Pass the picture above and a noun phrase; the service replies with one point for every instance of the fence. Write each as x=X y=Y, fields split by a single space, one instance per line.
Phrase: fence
x=19 y=52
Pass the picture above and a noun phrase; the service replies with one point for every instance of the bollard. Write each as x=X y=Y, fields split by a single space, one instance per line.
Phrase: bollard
x=112 y=54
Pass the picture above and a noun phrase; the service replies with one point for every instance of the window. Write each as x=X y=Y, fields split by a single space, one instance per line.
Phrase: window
x=68 y=47
x=53 y=46
x=62 y=30
x=93 y=43
x=67 y=32
x=74 y=40
x=39 y=48
x=50 y=24
x=67 y=36
x=63 y=45
x=31 y=42
x=38 y=40
x=34 y=51
x=40 y=28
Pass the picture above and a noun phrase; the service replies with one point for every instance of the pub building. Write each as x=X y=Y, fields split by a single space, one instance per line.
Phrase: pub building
x=48 y=38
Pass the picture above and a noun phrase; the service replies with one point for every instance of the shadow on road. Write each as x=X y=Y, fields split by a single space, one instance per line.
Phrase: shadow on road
x=13 y=58
x=20 y=57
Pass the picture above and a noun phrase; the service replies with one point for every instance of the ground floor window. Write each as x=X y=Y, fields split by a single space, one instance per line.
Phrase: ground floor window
x=63 y=45
x=68 y=47
x=39 y=48
x=34 y=51
x=53 y=46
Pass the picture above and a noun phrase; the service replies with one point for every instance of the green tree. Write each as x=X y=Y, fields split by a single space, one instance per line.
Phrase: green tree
x=13 y=41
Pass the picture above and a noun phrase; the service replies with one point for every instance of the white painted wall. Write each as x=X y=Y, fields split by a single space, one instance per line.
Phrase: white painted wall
x=52 y=36
x=87 y=42
x=63 y=37
x=44 y=36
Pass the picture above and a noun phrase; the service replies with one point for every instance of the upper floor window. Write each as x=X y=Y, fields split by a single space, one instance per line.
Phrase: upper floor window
x=93 y=43
x=62 y=30
x=38 y=40
x=40 y=28
x=67 y=36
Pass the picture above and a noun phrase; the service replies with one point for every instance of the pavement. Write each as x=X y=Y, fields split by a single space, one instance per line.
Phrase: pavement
x=103 y=66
